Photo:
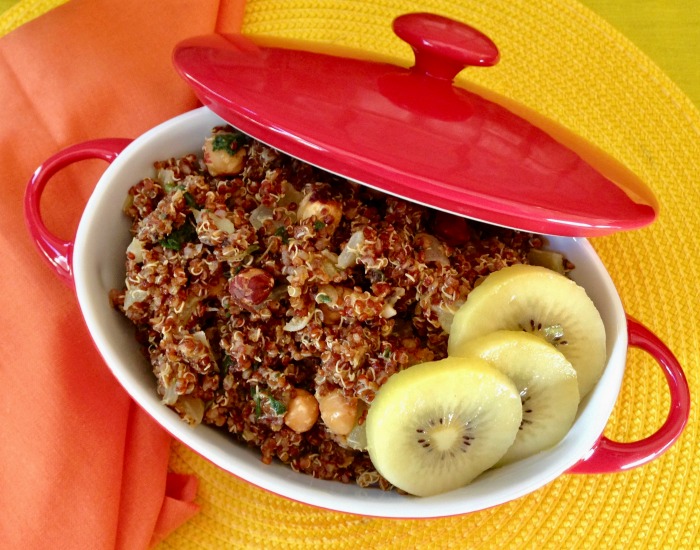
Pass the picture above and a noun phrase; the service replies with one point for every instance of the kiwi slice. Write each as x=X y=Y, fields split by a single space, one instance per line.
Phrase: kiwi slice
x=538 y=300
x=547 y=258
x=436 y=426
x=546 y=381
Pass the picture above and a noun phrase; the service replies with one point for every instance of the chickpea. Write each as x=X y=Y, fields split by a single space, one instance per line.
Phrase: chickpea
x=338 y=412
x=329 y=300
x=326 y=210
x=330 y=316
x=223 y=161
x=302 y=411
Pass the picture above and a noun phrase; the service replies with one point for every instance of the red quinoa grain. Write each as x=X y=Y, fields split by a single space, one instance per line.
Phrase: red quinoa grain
x=246 y=287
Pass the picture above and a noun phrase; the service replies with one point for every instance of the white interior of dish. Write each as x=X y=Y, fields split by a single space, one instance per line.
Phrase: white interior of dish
x=100 y=245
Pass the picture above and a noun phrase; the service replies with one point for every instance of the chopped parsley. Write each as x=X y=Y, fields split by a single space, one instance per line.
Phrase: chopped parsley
x=277 y=406
x=256 y=400
x=224 y=369
x=229 y=142
x=226 y=364
x=177 y=238
x=189 y=199
x=282 y=233
x=318 y=225
x=172 y=186
x=253 y=248
x=322 y=298
x=259 y=398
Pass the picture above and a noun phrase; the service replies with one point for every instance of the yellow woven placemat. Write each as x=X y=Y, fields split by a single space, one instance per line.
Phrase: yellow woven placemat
x=561 y=59
x=20 y=12
x=567 y=63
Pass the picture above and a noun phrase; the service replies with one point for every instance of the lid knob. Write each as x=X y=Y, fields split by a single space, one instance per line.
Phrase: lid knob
x=442 y=46
x=412 y=133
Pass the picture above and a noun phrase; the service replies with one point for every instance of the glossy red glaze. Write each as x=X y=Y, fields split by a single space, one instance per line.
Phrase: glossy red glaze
x=411 y=132
x=59 y=252
x=609 y=456
x=443 y=47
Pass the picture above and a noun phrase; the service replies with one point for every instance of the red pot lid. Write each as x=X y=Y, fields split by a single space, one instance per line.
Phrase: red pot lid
x=411 y=132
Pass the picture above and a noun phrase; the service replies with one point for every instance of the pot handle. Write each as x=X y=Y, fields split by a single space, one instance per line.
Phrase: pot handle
x=609 y=456
x=57 y=251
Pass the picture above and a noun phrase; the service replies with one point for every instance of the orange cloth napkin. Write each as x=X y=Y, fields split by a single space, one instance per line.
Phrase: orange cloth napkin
x=81 y=466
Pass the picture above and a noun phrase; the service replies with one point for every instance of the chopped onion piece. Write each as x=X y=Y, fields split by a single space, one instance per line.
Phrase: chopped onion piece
x=259 y=215
x=201 y=338
x=136 y=248
x=223 y=223
x=166 y=176
x=170 y=395
x=188 y=308
x=294 y=291
x=330 y=269
x=191 y=408
x=433 y=249
x=134 y=296
x=357 y=438
x=290 y=195
x=387 y=311
x=297 y=323
x=350 y=253
x=446 y=314
x=330 y=256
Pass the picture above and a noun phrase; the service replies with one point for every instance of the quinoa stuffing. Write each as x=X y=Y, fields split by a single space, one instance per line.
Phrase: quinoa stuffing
x=273 y=299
